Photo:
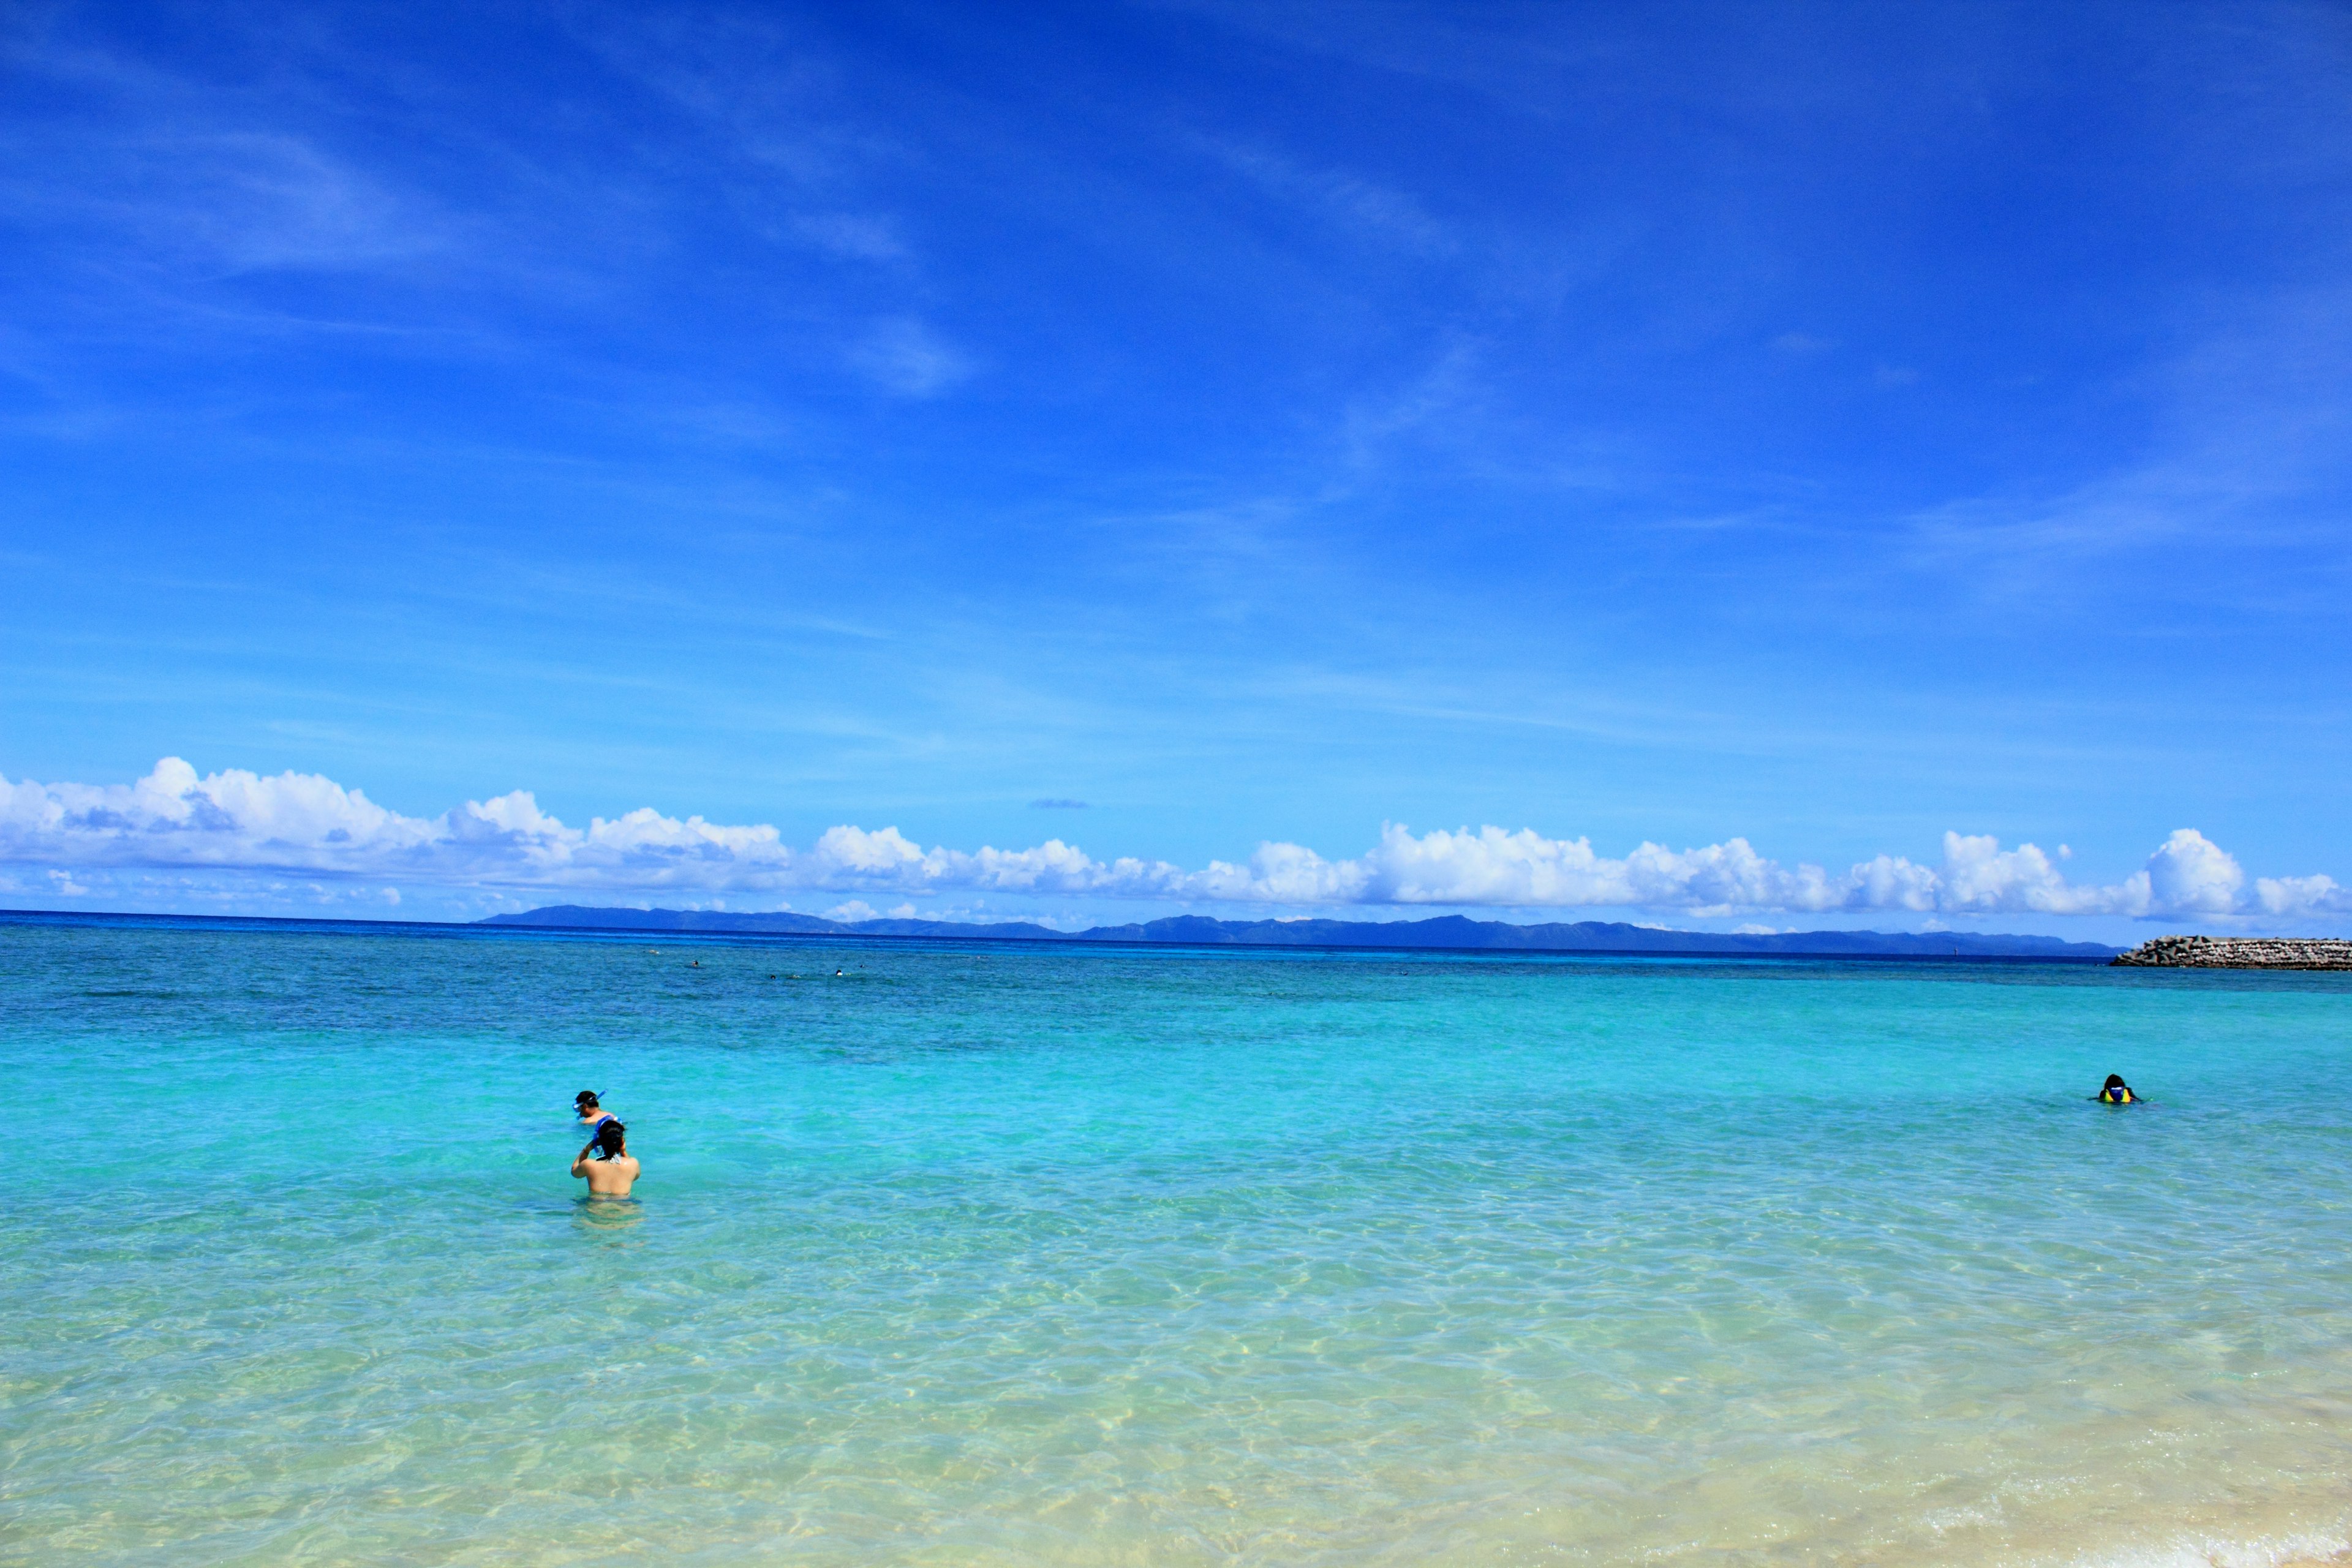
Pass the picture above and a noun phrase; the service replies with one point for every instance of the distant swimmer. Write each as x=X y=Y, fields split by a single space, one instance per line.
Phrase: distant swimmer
x=591 y=1113
x=2116 y=1092
x=608 y=1175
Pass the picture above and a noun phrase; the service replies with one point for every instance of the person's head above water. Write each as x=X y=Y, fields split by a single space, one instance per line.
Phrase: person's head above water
x=2117 y=1091
x=585 y=1100
x=612 y=1139
x=2115 y=1080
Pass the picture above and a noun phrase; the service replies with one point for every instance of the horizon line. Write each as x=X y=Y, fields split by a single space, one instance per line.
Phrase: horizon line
x=1037 y=934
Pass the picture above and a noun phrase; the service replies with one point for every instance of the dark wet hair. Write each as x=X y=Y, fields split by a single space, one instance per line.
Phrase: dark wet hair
x=612 y=1138
x=585 y=1100
x=2115 y=1080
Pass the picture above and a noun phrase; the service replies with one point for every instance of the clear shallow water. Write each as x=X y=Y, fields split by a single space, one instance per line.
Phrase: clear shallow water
x=999 y=1255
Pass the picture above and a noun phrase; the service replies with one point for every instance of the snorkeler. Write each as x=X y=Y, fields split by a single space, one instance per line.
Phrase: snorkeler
x=2116 y=1091
x=584 y=1103
x=614 y=1168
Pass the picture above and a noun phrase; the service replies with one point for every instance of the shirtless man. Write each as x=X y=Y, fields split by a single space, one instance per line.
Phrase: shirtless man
x=608 y=1175
x=591 y=1113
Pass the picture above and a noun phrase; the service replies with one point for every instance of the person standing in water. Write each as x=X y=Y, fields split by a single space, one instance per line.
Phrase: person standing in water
x=2116 y=1091
x=591 y=1113
x=609 y=1174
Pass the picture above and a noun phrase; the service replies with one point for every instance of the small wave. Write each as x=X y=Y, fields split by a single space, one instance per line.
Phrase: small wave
x=2302 y=1549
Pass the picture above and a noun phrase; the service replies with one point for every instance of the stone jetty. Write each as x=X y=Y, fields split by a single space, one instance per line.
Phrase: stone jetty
x=2243 y=953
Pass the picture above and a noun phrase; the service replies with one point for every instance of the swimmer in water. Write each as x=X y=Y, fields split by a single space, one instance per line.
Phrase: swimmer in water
x=2116 y=1091
x=591 y=1113
x=608 y=1175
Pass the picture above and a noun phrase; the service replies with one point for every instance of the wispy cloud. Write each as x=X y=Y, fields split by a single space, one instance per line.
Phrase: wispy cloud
x=164 y=172
x=858 y=235
x=240 y=201
x=306 y=825
x=905 y=356
x=2246 y=461
x=1362 y=204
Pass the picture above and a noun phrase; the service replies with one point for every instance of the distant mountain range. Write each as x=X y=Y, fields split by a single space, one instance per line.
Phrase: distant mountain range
x=1444 y=932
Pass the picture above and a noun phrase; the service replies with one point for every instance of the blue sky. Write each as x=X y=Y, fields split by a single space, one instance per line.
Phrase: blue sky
x=1826 y=428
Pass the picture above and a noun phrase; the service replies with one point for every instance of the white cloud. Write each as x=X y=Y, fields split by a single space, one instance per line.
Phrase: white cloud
x=2301 y=896
x=310 y=825
x=1980 y=877
x=2189 y=874
x=304 y=822
x=855 y=910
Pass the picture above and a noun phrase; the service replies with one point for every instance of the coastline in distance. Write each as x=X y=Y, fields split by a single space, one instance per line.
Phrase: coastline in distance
x=1454 y=931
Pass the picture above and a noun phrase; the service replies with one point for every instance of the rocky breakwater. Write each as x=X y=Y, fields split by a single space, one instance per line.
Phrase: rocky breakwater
x=2242 y=953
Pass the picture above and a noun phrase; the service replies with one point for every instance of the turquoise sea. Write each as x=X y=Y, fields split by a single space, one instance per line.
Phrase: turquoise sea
x=998 y=1254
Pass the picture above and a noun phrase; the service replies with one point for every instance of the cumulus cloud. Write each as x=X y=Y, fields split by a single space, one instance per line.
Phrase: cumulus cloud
x=2188 y=875
x=305 y=824
x=2302 y=895
x=235 y=820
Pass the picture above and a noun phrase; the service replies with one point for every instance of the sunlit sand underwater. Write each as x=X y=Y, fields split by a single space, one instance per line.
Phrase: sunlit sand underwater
x=999 y=1254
